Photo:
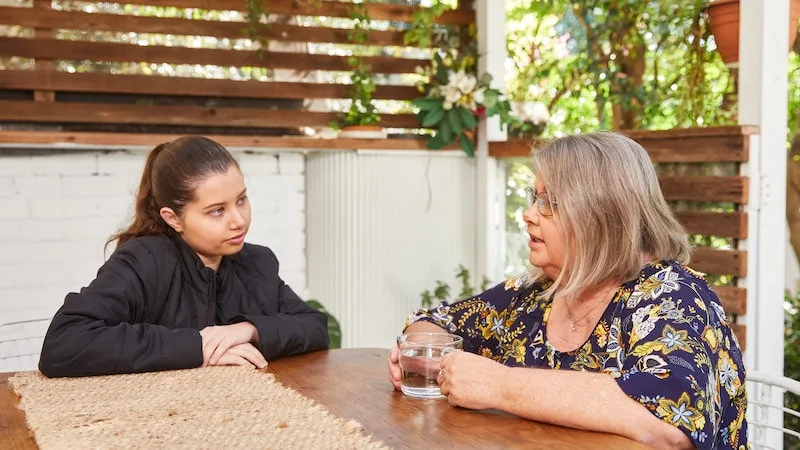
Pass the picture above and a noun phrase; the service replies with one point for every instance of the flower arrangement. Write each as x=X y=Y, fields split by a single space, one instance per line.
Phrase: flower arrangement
x=529 y=119
x=455 y=97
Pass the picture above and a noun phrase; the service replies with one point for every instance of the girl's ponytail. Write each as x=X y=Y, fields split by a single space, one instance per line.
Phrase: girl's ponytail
x=147 y=219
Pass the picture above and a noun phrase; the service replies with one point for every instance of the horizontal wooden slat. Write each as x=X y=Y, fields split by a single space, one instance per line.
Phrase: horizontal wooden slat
x=376 y=11
x=107 y=51
x=730 y=144
x=697 y=149
x=676 y=133
x=514 y=148
x=165 y=85
x=54 y=140
x=710 y=223
x=733 y=299
x=705 y=188
x=719 y=262
x=62 y=112
x=741 y=335
x=72 y=20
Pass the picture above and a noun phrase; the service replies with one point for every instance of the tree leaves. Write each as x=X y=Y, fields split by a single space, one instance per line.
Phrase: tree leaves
x=466 y=144
x=433 y=118
x=468 y=119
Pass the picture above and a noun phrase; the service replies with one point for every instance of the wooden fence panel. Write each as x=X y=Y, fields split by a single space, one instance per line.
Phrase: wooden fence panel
x=88 y=39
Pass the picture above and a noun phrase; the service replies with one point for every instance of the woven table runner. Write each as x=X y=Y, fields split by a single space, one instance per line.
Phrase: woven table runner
x=211 y=407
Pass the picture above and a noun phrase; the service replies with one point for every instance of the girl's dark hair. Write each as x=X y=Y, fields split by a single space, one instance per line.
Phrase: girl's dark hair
x=171 y=173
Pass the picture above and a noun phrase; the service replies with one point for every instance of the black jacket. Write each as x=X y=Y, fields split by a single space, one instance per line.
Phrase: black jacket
x=145 y=309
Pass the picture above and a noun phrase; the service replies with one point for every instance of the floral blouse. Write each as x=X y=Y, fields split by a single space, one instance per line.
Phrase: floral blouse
x=664 y=338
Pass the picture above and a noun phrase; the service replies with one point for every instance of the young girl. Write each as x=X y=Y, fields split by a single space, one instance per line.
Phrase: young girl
x=183 y=289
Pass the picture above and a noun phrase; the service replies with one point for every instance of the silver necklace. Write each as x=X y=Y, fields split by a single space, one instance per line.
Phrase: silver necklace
x=573 y=321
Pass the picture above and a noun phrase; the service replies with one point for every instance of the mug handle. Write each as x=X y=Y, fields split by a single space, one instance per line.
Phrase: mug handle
x=450 y=350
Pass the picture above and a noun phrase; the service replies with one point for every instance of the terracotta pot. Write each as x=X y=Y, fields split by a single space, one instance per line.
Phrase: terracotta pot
x=723 y=16
x=362 y=128
x=362 y=132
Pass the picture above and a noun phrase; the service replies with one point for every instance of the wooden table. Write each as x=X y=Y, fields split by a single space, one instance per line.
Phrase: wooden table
x=353 y=384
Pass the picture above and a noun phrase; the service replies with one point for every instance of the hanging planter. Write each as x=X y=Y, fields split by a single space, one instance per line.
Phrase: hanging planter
x=723 y=16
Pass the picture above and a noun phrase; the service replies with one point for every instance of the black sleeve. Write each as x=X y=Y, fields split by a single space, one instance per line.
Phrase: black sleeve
x=296 y=328
x=99 y=331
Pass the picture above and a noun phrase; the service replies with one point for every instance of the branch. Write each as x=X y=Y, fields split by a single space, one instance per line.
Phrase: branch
x=564 y=89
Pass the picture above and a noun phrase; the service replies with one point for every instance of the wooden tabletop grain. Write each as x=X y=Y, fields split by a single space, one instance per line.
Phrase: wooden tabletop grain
x=353 y=384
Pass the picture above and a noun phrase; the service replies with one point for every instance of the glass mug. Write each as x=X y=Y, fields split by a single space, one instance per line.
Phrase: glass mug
x=421 y=359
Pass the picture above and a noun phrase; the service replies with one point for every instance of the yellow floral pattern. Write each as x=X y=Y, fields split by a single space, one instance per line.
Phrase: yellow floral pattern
x=664 y=339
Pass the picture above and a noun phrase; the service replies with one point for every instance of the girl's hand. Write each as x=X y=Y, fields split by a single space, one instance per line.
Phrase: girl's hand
x=218 y=339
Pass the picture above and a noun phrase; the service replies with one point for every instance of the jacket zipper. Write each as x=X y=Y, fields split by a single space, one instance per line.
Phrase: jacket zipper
x=212 y=298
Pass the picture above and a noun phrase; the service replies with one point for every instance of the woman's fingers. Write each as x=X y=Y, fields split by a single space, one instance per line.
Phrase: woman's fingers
x=210 y=341
x=250 y=353
x=393 y=365
x=232 y=359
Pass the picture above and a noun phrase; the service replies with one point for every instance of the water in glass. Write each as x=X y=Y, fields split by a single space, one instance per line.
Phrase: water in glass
x=420 y=360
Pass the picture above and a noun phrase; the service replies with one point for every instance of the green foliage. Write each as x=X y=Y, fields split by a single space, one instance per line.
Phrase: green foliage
x=794 y=93
x=334 y=329
x=421 y=31
x=441 y=293
x=362 y=109
x=618 y=64
x=257 y=25
x=791 y=364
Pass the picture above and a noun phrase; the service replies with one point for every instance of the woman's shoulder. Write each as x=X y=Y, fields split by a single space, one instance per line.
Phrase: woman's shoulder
x=146 y=256
x=667 y=278
x=521 y=286
x=156 y=247
x=675 y=293
x=254 y=259
x=250 y=252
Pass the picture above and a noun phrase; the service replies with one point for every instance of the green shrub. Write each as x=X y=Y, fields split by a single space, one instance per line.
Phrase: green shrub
x=334 y=329
x=441 y=293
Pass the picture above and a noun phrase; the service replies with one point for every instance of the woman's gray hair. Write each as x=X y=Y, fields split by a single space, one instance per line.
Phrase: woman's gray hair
x=611 y=210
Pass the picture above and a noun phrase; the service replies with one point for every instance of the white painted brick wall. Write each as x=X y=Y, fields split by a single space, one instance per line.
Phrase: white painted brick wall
x=57 y=210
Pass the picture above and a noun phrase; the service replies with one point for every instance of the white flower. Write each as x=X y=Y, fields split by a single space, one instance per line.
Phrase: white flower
x=447 y=106
x=466 y=83
x=538 y=113
x=450 y=93
x=478 y=96
x=533 y=112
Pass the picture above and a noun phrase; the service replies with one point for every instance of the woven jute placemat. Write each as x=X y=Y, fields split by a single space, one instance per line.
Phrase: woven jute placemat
x=211 y=407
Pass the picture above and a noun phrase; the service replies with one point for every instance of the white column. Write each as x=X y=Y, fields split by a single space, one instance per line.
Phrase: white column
x=489 y=196
x=763 y=90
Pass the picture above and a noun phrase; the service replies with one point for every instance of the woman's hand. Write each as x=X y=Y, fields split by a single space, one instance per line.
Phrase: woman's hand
x=243 y=355
x=471 y=381
x=395 y=374
x=218 y=339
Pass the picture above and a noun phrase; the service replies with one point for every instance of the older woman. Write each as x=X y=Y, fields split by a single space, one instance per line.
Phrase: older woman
x=640 y=343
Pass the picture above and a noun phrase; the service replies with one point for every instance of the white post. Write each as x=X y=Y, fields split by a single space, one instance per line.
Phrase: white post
x=489 y=220
x=763 y=101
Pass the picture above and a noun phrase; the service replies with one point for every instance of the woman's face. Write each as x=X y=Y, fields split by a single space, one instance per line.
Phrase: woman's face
x=215 y=223
x=547 y=242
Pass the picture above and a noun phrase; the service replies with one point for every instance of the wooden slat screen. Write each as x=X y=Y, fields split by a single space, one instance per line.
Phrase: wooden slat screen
x=681 y=156
x=120 y=80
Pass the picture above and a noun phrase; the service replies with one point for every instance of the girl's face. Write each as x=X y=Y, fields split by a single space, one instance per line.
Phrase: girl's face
x=547 y=243
x=215 y=223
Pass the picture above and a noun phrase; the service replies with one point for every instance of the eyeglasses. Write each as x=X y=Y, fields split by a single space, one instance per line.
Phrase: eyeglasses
x=545 y=205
